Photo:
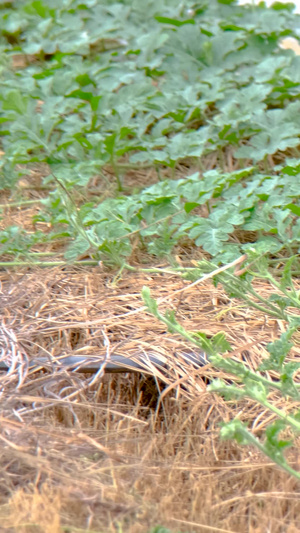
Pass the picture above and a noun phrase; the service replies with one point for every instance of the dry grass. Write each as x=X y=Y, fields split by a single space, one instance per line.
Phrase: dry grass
x=112 y=457
x=130 y=452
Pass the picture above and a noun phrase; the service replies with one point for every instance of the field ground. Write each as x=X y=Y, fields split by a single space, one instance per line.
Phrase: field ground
x=91 y=116
x=131 y=452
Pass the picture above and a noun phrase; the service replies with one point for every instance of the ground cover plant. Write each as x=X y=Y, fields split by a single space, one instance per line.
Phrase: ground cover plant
x=152 y=140
x=204 y=85
x=258 y=383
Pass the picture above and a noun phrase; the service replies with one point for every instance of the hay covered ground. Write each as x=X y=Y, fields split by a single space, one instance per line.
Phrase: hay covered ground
x=130 y=452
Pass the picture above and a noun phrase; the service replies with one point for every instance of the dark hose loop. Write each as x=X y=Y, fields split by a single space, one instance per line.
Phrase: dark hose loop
x=116 y=364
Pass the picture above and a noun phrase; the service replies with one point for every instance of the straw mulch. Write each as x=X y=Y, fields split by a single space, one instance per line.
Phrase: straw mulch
x=130 y=452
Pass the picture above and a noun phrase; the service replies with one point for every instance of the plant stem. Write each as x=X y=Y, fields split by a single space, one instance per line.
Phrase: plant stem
x=254 y=441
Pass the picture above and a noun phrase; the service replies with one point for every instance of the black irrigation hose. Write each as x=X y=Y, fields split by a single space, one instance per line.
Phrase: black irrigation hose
x=117 y=363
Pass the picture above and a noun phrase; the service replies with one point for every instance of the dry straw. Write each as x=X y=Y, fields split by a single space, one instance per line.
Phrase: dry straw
x=107 y=449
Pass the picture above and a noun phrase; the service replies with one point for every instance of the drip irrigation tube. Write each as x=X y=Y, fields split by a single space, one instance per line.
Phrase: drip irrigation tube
x=117 y=363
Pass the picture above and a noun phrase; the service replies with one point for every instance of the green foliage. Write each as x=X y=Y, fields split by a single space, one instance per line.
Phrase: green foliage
x=134 y=85
x=154 y=84
x=247 y=383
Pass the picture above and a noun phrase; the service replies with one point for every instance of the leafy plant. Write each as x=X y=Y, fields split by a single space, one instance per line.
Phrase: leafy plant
x=153 y=86
x=259 y=383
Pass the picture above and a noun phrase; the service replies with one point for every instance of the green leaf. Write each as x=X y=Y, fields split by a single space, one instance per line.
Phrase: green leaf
x=150 y=303
x=189 y=206
x=211 y=233
x=77 y=248
x=173 y=22
x=15 y=101
x=278 y=351
x=235 y=430
x=286 y=276
x=220 y=343
x=273 y=443
x=293 y=208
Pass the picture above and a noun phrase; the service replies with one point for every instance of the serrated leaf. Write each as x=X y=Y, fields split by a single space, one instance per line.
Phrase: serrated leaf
x=286 y=277
x=278 y=351
x=77 y=248
x=220 y=343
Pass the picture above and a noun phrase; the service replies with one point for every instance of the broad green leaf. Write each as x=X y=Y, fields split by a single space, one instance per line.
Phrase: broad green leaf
x=15 y=101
